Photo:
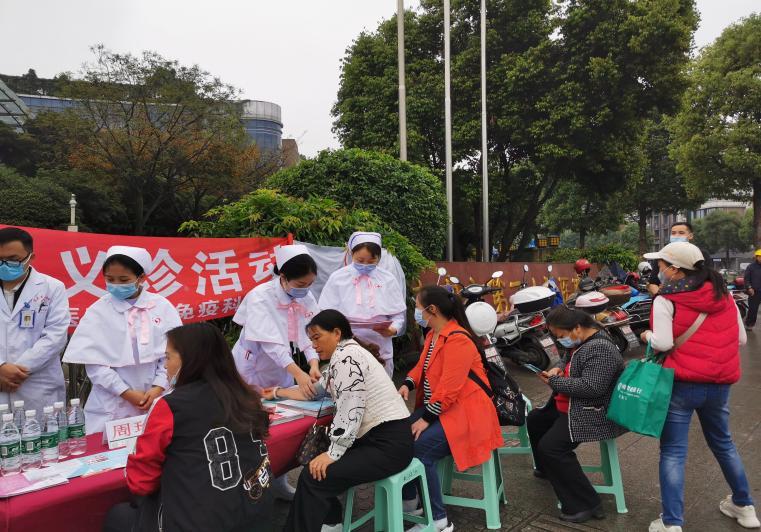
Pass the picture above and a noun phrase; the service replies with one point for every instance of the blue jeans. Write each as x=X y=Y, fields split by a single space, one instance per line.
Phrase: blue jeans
x=430 y=447
x=711 y=402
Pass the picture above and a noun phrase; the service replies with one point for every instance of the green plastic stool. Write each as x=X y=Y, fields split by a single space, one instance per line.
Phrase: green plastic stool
x=611 y=473
x=493 y=485
x=387 y=511
x=521 y=435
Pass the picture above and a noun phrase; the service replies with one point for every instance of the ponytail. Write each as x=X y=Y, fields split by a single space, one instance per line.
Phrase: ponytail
x=448 y=303
x=704 y=273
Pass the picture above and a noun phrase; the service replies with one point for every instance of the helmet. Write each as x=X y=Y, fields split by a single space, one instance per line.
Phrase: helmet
x=635 y=277
x=482 y=317
x=740 y=282
x=644 y=268
x=581 y=266
x=758 y=252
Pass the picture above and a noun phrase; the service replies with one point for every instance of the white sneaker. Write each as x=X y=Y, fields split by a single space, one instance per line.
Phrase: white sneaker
x=332 y=528
x=409 y=506
x=441 y=525
x=281 y=489
x=658 y=526
x=745 y=515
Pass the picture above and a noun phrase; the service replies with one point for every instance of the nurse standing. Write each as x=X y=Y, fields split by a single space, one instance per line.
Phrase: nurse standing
x=362 y=291
x=121 y=339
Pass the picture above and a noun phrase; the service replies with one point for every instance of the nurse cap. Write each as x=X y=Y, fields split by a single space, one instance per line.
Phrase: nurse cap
x=139 y=255
x=285 y=253
x=362 y=237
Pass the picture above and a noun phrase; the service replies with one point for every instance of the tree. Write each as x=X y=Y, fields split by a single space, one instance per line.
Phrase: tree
x=717 y=134
x=269 y=213
x=567 y=93
x=158 y=129
x=746 y=228
x=720 y=230
x=32 y=202
x=19 y=150
x=405 y=196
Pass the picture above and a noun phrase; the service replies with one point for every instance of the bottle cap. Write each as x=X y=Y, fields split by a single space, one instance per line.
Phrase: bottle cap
x=47 y=410
x=74 y=402
x=58 y=404
x=7 y=417
x=18 y=404
x=31 y=413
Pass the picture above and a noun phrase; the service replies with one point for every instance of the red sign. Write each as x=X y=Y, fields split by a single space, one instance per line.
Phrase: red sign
x=204 y=278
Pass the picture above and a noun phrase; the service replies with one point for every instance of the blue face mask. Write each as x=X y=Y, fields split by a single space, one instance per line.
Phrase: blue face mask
x=364 y=269
x=419 y=318
x=11 y=273
x=678 y=239
x=568 y=342
x=173 y=380
x=297 y=293
x=121 y=291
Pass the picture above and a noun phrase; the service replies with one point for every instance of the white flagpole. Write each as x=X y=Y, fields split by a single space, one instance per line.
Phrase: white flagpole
x=402 y=87
x=484 y=148
x=448 y=133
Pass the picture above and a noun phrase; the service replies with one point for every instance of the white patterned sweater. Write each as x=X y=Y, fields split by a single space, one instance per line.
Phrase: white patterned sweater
x=365 y=396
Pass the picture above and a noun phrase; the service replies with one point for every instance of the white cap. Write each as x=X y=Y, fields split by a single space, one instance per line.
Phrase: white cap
x=362 y=237
x=18 y=404
x=74 y=402
x=285 y=253
x=139 y=255
x=680 y=254
x=30 y=413
x=58 y=404
x=47 y=410
x=7 y=418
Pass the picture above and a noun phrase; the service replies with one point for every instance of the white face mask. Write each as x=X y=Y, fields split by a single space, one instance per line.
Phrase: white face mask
x=173 y=380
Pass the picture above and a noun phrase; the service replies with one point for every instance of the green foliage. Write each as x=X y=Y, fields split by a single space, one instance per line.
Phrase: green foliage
x=746 y=228
x=717 y=135
x=720 y=230
x=407 y=197
x=32 y=202
x=568 y=255
x=322 y=221
x=603 y=254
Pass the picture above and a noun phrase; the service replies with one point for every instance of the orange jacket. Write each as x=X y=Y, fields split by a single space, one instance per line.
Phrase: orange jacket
x=467 y=414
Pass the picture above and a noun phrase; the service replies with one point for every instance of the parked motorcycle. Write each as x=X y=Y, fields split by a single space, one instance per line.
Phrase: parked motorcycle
x=612 y=318
x=737 y=289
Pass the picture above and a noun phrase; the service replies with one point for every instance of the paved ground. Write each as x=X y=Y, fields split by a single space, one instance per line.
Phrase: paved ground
x=532 y=505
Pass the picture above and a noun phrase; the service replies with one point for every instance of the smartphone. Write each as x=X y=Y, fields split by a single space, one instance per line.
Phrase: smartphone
x=532 y=368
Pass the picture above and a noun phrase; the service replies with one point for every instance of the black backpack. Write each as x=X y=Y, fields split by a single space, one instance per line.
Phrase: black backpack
x=503 y=390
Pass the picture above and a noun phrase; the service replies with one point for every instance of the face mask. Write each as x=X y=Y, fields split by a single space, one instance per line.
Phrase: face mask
x=121 y=291
x=419 y=318
x=364 y=269
x=662 y=277
x=11 y=273
x=679 y=239
x=297 y=293
x=568 y=342
x=173 y=380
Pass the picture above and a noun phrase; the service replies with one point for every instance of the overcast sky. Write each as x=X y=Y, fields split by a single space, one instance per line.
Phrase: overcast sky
x=284 y=51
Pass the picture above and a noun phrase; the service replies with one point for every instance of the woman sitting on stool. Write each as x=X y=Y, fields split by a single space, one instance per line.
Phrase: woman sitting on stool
x=582 y=383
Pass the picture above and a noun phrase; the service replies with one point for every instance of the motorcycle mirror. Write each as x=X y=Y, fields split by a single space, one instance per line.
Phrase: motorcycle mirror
x=525 y=268
x=497 y=274
x=455 y=280
x=549 y=268
x=442 y=271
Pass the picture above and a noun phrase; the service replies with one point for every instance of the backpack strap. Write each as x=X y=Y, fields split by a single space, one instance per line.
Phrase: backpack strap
x=472 y=374
x=686 y=335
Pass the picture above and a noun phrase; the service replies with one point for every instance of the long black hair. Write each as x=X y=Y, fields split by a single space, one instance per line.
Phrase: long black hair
x=448 y=303
x=123 y=260
x=703 y=273
x=567 y=319
x=330 y=320
x=206 y=356
x=297 y=267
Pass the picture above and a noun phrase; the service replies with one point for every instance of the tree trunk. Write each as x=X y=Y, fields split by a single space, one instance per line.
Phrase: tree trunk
x=757 y=214
x=642 y=224
x=582 y=237
x=139 y=225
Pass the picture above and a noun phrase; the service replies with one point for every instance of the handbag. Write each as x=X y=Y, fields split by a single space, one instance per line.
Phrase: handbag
x=315 y=442
x=640 y=401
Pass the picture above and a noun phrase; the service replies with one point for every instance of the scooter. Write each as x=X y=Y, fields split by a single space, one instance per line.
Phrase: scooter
x=613 y=319
x=737 y=289
x=552 y=284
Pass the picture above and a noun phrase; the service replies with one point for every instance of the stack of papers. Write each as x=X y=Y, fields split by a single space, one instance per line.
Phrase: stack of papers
x=311 y=408
x=26 y=482
x=380 y=322
x=280 y=414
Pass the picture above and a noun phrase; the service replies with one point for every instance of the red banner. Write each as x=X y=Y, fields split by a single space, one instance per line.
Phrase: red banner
x=204 y=278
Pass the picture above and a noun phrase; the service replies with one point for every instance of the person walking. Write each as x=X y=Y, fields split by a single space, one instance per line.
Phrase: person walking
x=753 y=286
x=695 y=307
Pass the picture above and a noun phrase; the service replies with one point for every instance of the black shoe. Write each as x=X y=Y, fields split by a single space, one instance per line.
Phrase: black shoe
x=582 y=517
x=538 y=473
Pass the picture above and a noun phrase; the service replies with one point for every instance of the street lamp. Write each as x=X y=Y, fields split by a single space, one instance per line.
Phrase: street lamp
x=402 y=87
x=73 y=206
x=448 y=132
x=486 y=248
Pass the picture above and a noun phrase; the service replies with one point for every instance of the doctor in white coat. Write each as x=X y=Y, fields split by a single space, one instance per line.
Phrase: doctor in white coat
x=121 y=339
x=34 y=319
x=369 y=296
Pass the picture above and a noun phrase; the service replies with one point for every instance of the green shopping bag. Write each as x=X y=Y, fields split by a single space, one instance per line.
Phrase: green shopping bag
x=640 y=400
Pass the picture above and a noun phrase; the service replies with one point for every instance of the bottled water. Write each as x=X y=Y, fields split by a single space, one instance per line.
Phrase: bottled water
x=31 y=457
x=77 y=439
x=10 y=446
x=18 y=413
x=63 y=429
x=4 y=410
x=49 y=439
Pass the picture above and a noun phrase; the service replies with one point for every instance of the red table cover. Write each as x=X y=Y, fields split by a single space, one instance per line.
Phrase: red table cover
x=82 y=504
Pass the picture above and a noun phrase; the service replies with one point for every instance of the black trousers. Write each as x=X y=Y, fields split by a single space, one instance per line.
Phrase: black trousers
x=753 y=302
x=383 y=451
x=140 y=515
x=554 y=456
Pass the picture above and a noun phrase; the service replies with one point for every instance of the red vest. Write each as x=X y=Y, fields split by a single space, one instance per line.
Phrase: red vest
x=712 y=353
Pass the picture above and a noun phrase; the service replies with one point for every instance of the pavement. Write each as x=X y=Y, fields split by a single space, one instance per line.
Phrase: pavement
x=532 y=506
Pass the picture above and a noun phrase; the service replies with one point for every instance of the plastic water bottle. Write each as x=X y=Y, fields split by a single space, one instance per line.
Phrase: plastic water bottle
x=77 y=439
x=49 y=439
x=63 y=429
x=4 y=409
x=18 y=413
x=31 y=457
x=10 y=446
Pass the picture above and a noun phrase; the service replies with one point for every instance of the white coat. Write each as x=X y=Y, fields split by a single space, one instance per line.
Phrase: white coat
x=122 y=346
x=38 y=348
x=376 y=296
x=263 y=350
